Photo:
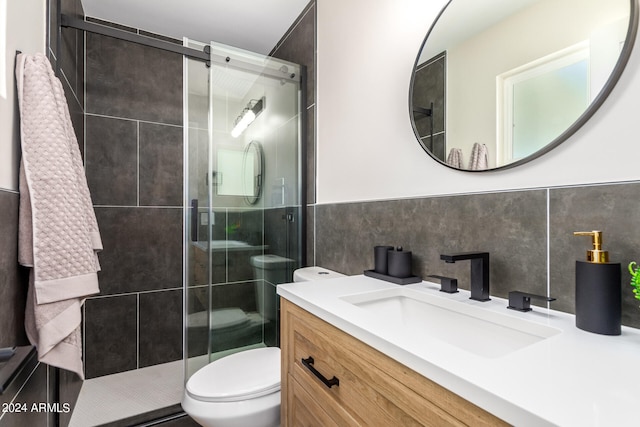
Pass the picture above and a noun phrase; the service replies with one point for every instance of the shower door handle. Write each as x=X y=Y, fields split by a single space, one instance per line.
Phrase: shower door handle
x=194 y=220
x=308 y=362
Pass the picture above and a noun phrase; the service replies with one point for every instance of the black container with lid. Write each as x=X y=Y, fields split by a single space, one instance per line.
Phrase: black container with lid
x=598 y=290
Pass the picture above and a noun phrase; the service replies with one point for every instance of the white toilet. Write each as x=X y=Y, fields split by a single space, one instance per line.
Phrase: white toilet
x=243 y=389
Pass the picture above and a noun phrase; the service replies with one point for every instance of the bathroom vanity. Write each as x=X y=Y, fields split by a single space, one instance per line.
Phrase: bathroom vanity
x=373 y=389
x=360 y=351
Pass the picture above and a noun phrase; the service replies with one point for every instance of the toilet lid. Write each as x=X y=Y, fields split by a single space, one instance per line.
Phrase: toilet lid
x=240 y=376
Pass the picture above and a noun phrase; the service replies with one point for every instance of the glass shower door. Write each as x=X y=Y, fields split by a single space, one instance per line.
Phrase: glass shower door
x=197 y=201
x=243 y=234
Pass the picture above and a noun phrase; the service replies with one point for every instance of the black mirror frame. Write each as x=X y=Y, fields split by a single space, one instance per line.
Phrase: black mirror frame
x=625 y=54
x=252 y=200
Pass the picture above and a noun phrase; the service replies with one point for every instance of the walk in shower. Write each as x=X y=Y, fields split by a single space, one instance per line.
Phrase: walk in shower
x=194 y=157
x=243 y=216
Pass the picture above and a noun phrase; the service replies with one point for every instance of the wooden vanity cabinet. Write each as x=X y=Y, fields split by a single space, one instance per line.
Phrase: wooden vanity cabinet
x=373 y=389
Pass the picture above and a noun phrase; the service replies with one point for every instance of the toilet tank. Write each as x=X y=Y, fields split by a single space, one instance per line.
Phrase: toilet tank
x=269 y=271
x=272 y=268
x=307 y=274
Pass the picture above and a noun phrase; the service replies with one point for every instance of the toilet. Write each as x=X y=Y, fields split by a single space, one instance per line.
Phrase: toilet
x=273 y=269
x=309 y=274
x=242 y=389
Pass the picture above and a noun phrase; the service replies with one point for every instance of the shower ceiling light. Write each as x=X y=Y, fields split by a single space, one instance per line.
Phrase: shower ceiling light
x=248 y=115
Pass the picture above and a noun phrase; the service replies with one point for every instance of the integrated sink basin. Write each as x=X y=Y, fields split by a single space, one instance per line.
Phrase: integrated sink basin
x=474 y=329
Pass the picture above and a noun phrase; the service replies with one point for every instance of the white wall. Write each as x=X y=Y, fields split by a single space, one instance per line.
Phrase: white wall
x=366 y=146
x=473 y=65
x=24 y=24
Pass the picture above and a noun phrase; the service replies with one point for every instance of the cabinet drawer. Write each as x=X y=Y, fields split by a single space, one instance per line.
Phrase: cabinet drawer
x=374 y=390
x=307 y=411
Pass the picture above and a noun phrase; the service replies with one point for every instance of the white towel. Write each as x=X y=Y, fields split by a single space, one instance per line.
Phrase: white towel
x=454 y=159
x=58 y=231
x=479 y=157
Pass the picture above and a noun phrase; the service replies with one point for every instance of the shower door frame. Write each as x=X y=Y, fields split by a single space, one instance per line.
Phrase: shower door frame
x=301 y=176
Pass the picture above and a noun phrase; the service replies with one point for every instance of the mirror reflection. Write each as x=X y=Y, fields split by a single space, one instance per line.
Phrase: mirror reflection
x=239 y=171
x=500 y=82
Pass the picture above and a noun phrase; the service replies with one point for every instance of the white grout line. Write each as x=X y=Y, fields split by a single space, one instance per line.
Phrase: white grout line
x=84 y=335
x=138 y=331
x=129 y=119
x=134 y=206
x=548 y=244
x=138 y=162
x=479 y=192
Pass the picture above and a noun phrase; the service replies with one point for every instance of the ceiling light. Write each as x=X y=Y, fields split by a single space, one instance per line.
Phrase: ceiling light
x=248 y=115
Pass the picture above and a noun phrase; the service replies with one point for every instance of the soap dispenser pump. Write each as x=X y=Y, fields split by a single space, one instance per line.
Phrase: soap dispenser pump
x=598 y=290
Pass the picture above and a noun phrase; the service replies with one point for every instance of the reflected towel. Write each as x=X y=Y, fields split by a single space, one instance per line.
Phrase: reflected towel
x=454 y=159
x=58 y=231
x=479 y=157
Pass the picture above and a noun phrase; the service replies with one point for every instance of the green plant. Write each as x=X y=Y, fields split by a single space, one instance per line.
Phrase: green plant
x=635 y=278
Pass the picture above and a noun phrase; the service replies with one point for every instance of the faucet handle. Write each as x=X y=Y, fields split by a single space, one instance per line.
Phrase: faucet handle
x=521 y=301
x=447 y=284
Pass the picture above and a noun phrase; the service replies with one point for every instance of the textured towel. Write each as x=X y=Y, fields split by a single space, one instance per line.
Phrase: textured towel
x=58 y=231
x=479 y=157
x=454 y=159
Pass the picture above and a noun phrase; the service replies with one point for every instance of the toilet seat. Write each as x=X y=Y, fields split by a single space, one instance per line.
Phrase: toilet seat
x=240 y=376
x=222 y=318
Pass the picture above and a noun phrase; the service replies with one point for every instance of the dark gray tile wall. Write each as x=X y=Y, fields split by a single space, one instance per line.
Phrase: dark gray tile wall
x=512 y=226
x=160 y=317
x=508 y=225
x=111 y=335
x=134 y=160
x=610 y=208
x=112 y=160
x=299 y=45
x=12 y=279
x=142 y=249
x=429 y=87
x=132 y=81
x=160 y=165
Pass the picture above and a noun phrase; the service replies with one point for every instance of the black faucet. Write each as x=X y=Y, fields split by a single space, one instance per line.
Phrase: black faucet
x=521 y=301
x=479 y=272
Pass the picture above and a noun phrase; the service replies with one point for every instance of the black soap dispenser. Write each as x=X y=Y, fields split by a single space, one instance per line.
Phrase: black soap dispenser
x=598 y=290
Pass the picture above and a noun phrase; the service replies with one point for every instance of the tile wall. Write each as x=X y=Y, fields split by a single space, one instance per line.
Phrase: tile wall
x=13 y=288
x=133 y=156
x=133 y=159
x=528 y=233
x=429 y=87
x=298 y=45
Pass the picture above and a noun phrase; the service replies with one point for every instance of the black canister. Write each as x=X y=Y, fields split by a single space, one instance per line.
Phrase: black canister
x=380 y=258
x=599 y=297
x=399 y=263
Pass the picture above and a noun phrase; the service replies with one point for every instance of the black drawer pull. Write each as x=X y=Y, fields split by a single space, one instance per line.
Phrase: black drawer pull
x=329 y=383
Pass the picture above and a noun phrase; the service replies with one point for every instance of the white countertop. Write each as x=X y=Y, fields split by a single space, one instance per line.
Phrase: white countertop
x=574 y=378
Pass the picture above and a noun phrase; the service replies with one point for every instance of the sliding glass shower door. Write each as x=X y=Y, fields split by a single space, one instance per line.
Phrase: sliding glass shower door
x=243 y=211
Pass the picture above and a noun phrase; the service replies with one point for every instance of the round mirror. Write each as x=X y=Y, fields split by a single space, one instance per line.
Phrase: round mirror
x=252 y=171
x=498 y=83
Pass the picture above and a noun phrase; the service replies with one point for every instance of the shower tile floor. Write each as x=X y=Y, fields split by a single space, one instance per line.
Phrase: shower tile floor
x=126 y=394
